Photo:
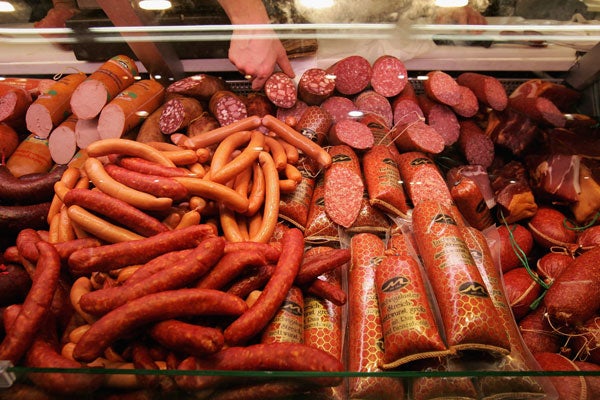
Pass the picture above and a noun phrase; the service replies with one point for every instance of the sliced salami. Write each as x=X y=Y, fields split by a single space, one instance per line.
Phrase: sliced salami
x=422 y=179
x=315 y=86
x=488 y=89
x=405 y=106
x=178 y=113
x=476 y=146
x=227 y=107
x=292 y=114
x=417 y=136
x=352 y=74
x=389 y=76
x=538 y=109
x=441 y=118
x=468 y=105
x=315 y=124
x=352 y=133
x=200 y=86
x=442 y=88
x=281 y=90
x=371 y=102
x=339 y=108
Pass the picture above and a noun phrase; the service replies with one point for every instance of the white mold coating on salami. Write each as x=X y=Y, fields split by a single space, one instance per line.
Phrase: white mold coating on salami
x=281 y=90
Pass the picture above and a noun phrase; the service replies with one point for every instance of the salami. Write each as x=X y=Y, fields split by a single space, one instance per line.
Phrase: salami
x=539 y=109
x=339 y=108
x=352 y=133
x=488 y=89
x=389 y=76
x=352 y=74
x=281 y=90
x=405 y=106
x=227 y=107
x=441 y=87
x=422 y=179
x=315 y=86
x=475 y=145
x=200 y=86
x=315 y=124
x=178 y=113
x=468 y=105
x=370 y=101
x=441 y=118
x=293 y=113
x=417 y=136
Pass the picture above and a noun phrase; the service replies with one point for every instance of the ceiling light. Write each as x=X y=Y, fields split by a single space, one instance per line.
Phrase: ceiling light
x=5 y=6
x=451 y=3
x=154 y=5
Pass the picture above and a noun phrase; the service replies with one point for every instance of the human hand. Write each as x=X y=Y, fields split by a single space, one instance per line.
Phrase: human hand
x=255 y=54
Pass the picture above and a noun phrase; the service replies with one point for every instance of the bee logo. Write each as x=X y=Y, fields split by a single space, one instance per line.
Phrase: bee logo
x=320 y=201
x=473 y=289
x=420 y=161
x=394 y=284
x=292 y=308
x=389 y=161
x=341 y=158
x=309 y=133
x=444 y=219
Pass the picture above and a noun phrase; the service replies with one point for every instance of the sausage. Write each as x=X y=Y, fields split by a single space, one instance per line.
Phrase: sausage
x=469 y=199
x=103 y=181
x=339 y=108
x=406 y=311
x=488 y=89
x=324 y=262
x=441 y=118
x=15 y=283
x=344 y=186
x=468 y=105
x=117 y=255
x=389 y=75
x=253 y=280
x=287 y=325
x=62 y=142
x=383 y=182
x=319 y=227
x=50 y=108
x=422 y=179
x=178 y=113
x=34 y=86
x=364 y=339
x=31 y=156
x=229 y=267
x=111 y=78
x=127 y=147
x=538 y=109
x=231 y=168
x=258 y=104
x=475 y=145
x=314 y=124
x=156 y=185
x=441 y=87
x=217 y=135
x=352 y=74
x=270 y=252
x=66 y=248
x=371 y=102
x=271 y=201
x=9 y=140
x=147 y=167
x=327 y=291
x=417 y=136
x=405 y=106
x=265 y=357
x=116 y=210
x=15 y=218
x=315 y=86
x=215 y=191
x=256 y=318
x=177 y=275
x=98 y=227
x=150 y=308
x=227 y=107
x=26 y=244
x=142 y=360
x=129 y=108
x=36 y=305
x=200 y=86
x=14 y=103
x=26 y=190
x=352 y=133
x=187 y=338
x=456 y=281
x=281 y=90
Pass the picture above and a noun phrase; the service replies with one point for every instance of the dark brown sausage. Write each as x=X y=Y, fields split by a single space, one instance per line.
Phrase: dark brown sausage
x=24 y=190
x=15 y=218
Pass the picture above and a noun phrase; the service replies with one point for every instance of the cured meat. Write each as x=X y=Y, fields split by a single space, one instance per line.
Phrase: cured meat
x=315 y=124
x=352 y=74
x=538 y=109
x=557 y=175
x=422 y=179
x=371 y=102
x=200 y=86
x=293 y=113
x=441 y=87
x=281 y=90
x=227 y=107
x=488 y=89
x=339 y=108
x=405 y=106
x=441 y=118
x=417 y=136
x=511 y=130
x=475 y=145
x=352 y=133
x=315 y=86
x=468 y=104
x=178 y=113
x=389 y=76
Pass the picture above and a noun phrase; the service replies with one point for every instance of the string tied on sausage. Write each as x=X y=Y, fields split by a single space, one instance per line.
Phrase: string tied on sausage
x=394 y=128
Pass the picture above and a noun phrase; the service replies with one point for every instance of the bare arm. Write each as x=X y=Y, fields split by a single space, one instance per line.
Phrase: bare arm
x=251 y=54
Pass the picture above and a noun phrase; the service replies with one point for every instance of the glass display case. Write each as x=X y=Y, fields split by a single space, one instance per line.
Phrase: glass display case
x=543 y=158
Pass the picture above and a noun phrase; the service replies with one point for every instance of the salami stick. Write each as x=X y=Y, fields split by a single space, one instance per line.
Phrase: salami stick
x=326 y=262
x=117 y=255
x=470 y=318
x=154 y=307
x=156 y=185
x=99 y=227
x=315 y=86
x=488 y=89
x=256 y=318
x=36 y=306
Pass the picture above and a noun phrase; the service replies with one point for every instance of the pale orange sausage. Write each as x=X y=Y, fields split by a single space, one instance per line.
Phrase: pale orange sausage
x=128 y=147
x=217 y=135
x=271 y=203
x=215 y=191
x=240 y=162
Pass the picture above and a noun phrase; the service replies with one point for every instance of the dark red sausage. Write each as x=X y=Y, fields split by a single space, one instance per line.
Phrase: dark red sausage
x=26 y=244
x=441 y=118
x=468 y=105
x=28 y=190
x=406 y=106
x=315 y=86
x=340 y=108
x=327 y=291
x=200 y=86
x=116 y=210
x=258 y=104
x=324 y=262
x=315 y=124
x=154 y=307
x=293 y=113
x=178 y=113
x=538 y=109
x=389 y=75
x=147 y=167
x=270 y=252
x=488 y=89
x=117 y=255
x=352 y=133
x=36 y=306
x=476 y=146
x=255 y=280
x=229 y=267
x=371 y=102
x=156 y=265
x=159 y=186
x=352 y=74
x=417 y=136
x=186 y=338
x=442 y=88
x=281 y=90
x=256 y=318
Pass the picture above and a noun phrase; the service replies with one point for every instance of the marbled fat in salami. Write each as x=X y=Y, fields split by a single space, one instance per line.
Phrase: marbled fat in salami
x=281 y=90
x=315 y=86
x=389 y=76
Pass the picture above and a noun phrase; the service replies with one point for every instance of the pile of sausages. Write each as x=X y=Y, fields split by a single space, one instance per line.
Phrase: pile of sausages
x=195 y=228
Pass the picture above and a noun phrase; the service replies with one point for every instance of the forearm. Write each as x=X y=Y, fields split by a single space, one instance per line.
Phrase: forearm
x=245 y=12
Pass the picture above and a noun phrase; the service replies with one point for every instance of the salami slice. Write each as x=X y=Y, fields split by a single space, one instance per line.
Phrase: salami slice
x=227 y=107
x=352 y=74
x=352 y=133
x=315 y=86
x=389 y=76
x=405 y=106
x=372 y=102
x=442 y=88
x=178 y=113
x=200 y=86
x=468 y=104
x=487 y=89
x=344 y=186
x=476 y=146
x=281 y=90
x=441 y=118
x=422 y=179
x=418 y=136
x=339 y=108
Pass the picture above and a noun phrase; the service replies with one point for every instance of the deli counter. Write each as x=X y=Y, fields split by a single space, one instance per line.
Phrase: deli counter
x=413 y=215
